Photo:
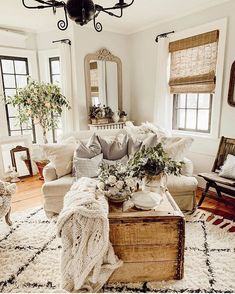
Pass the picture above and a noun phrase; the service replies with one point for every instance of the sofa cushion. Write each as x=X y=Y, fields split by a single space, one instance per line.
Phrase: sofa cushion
x=176 y=147
x=113 y=162
x=58 y=187
x=136 y=144
x=114 y=148
x=90 y=149
x=87 y=167
x=228 y=169
x=180 y=184
x=61 y=156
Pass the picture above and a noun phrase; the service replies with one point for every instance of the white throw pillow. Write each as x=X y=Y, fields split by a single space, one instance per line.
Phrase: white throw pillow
x=87 y=167
x=61 y=155
x=176 y=147
x=144 y=130
x=228 y=169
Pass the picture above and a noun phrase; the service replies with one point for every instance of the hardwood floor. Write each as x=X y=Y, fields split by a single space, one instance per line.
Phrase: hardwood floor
x=29 y=195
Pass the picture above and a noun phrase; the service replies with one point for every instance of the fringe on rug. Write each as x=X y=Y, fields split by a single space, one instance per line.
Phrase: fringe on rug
x=211 y=218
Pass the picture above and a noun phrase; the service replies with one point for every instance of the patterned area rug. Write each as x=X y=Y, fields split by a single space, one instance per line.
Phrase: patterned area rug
x=30 y=257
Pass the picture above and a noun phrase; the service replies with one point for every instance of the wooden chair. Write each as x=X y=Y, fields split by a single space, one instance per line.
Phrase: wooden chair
x=220 y=184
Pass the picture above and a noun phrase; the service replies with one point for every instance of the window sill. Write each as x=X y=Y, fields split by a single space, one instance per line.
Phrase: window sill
x=194 y=134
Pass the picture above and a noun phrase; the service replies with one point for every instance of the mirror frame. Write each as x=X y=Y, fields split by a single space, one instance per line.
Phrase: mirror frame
x=13 y=159
x=105 y=55
x=231 y=98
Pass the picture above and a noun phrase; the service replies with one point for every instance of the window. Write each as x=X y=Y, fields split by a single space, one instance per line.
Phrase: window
x=54 y=64
x=14 y=72
x=193 y=81
x=192 y=112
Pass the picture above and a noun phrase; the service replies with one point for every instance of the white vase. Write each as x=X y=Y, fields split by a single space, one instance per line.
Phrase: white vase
x=124 y=118
x=116 y=117
x=155 y=183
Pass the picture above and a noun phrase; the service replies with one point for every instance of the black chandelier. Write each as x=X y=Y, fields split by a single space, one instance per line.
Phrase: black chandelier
x=80 y=11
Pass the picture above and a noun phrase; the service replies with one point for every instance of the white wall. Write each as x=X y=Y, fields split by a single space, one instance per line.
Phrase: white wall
x=143 y=67
x=84 y=41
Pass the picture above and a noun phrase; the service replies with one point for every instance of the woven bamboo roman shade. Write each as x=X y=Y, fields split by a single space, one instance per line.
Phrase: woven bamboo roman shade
x=193 y=64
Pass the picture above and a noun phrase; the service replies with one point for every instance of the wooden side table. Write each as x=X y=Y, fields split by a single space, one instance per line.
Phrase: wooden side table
x=150 y=243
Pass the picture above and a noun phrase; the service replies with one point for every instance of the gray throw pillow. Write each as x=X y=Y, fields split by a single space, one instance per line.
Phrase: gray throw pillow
x=89 y=150
x=113 y=162
x=114 y=148
x=87 y=167
x=135 y=145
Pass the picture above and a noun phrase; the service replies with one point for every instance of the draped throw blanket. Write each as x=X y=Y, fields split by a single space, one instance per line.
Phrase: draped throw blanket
x=88 y=258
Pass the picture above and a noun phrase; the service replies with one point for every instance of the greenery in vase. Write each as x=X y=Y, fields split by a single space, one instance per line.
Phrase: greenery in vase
x=115 y=180
x=99 y=111
x=42 y=103
x=152 y=161
x=122 y=113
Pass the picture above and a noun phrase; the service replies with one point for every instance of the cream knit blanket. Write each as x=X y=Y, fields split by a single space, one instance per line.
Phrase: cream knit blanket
x=88 y=258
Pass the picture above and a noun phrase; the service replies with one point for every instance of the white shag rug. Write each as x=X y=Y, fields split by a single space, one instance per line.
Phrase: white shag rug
x=30 y=257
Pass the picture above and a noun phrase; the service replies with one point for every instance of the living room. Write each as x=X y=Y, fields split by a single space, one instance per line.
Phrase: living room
x=145 y=102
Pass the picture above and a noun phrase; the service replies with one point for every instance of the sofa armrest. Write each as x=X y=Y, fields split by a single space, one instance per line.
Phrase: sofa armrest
x=49 y=173
x=187 y=168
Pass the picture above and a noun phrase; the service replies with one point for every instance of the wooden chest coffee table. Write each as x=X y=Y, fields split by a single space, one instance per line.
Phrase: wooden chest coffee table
x=150 y=243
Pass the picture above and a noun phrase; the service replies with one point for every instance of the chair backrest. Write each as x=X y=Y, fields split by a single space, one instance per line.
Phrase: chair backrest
x=226 y=146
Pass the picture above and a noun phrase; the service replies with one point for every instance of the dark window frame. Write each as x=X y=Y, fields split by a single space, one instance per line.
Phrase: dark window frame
x=15 y=58
x=51 y=59
x=175 y=117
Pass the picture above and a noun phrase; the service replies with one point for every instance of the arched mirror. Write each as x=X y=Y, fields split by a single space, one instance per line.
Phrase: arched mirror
x=103 y=74
x=231 y=92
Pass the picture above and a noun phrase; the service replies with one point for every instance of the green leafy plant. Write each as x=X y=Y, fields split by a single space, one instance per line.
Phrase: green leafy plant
x=42 y=103
x=152 y=161
x=122 y=113
x=99 y=111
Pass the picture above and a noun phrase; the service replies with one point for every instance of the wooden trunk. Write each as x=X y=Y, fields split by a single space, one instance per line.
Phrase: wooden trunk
x=150 y=243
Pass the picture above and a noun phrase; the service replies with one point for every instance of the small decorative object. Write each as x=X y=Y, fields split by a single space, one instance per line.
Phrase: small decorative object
x=6 y=192
x=37 y=101
x=100 y=114
x=146 y=200
x=152 y=164
x=14 y=176
x=116 y=182
x=123 y=116
x=116 y=117
x=8 y=174
x=25 y=156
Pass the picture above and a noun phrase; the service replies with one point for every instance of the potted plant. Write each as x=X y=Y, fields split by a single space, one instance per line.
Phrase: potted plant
x=42 y=103
x=116 y=182
x=123 y=116
x=151 y=164
x=100 y=114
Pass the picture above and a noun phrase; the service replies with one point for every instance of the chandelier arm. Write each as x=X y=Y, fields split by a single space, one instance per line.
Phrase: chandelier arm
x=45 y=5
x=113 y=14
x=123 y=7
x=63 y=24
x=35 y=7
x=97 y=25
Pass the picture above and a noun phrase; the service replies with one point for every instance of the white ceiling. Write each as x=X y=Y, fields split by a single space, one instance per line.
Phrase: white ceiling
x=142 y=14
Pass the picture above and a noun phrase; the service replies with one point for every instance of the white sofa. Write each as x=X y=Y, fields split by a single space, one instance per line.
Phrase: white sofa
x=182 y=188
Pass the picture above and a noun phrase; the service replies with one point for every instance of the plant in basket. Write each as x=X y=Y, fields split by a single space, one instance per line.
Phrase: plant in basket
x=151 y=164
x=116 y=182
